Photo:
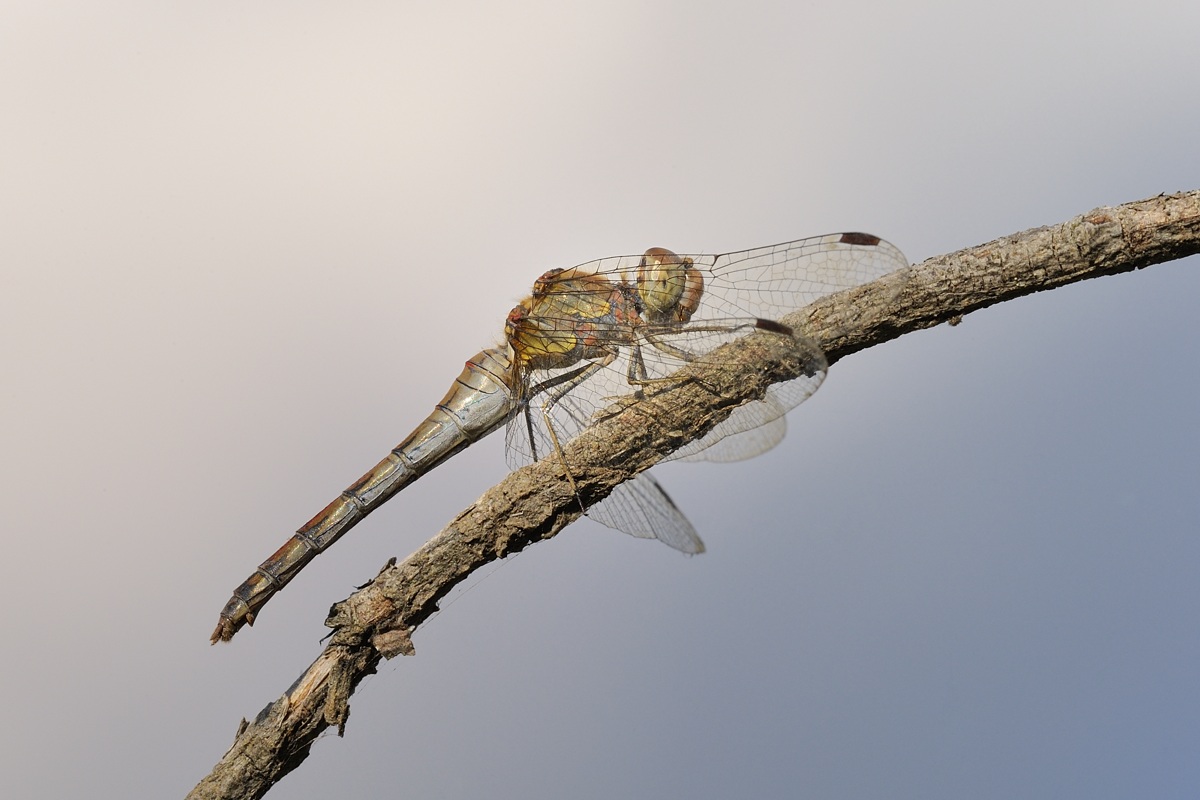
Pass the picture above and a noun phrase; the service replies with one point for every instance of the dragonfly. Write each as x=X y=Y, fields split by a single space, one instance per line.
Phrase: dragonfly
x=588 y=335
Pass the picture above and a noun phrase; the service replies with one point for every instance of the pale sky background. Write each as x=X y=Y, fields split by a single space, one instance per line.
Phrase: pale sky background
x=247 y=246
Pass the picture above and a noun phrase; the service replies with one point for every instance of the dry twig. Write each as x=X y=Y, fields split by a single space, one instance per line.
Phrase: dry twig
x=535 y=503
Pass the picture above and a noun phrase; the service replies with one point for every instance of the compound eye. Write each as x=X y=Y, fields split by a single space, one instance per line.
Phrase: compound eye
x=669 y=286
x=662 y=280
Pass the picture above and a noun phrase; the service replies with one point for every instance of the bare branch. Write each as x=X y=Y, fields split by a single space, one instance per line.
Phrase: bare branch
x=535 y=503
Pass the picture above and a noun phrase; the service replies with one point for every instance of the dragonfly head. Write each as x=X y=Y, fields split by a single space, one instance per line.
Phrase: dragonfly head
x=668 y=286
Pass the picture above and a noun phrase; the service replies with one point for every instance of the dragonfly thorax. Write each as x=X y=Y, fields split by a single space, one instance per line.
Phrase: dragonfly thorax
x=571 y=316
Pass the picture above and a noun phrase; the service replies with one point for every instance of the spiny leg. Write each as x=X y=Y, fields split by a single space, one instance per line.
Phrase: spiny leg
x=561 y=456
x=655 y=338
x=668 y=348
x=571 y=379
x=556 y=389
x=533 y=453
x=636 y=374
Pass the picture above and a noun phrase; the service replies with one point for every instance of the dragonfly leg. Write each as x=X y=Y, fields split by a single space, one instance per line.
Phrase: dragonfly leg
x=678 y=352
x=556 y=389
x=656 y=340
x=561 y=384
x=561 y=456
x=636 y=374
x=764 y=325
x=668 y=348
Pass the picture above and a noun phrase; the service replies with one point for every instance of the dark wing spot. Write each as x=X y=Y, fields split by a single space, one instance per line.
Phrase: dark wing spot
x=865 y=239
x=773 y=327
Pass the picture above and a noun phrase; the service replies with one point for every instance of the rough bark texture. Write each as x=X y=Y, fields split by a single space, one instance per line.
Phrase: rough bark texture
x=535 y=503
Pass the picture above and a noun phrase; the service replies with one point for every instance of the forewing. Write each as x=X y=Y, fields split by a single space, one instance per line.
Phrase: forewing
x=771 y=281
x=740 y=287
x=776 y=280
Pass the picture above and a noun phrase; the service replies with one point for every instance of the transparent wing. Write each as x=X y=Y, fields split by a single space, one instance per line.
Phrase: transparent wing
x=750 y=431
x=770 y=282
x=775 y=280
x=574 y=396
x=764 y=282
x=754 y=428
x=622 y=351
x=642 y=508
x=739 y=446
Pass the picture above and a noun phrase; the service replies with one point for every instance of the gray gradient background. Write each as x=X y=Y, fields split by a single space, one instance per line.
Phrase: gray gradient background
x=246 y=246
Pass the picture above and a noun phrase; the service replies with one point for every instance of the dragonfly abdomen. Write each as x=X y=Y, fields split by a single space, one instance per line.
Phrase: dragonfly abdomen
x=479 y=402
x=388 y=477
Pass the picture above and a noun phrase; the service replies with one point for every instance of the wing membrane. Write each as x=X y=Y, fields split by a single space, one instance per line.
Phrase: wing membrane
x=617 y=352
x=642 y=508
